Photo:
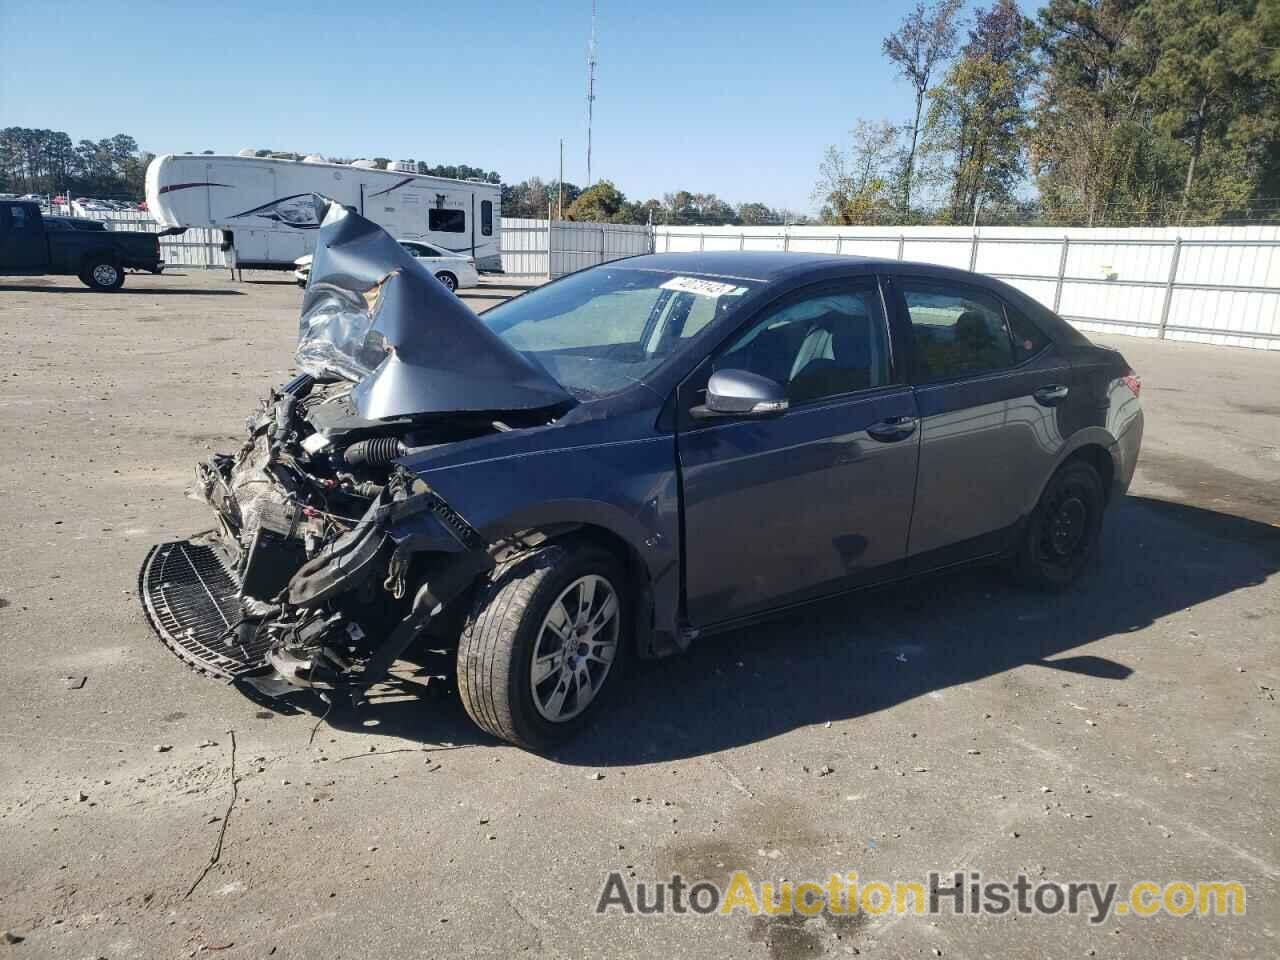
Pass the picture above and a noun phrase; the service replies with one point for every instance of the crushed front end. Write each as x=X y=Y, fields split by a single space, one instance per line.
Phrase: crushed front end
x=329 y=556
x=305 y=578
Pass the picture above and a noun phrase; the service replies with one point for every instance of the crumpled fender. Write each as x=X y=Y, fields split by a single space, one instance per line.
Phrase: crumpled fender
x=407 y=517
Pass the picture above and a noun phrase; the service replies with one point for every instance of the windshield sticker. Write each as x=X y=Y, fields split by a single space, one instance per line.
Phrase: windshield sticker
x=703 y=288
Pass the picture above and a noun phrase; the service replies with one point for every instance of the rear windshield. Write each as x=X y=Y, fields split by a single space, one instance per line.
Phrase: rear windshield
x=601 y=330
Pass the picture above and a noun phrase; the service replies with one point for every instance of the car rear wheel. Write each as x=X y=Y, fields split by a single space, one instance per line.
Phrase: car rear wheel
x=545 y=645
x=1064 y=528
x=448 y=279
x=103 y=275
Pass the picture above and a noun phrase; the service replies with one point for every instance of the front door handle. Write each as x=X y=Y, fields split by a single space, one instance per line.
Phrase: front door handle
x=1052 y=395
x=891 y=429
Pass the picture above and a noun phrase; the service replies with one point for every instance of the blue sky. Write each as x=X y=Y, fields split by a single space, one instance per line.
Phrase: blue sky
x=736 y=97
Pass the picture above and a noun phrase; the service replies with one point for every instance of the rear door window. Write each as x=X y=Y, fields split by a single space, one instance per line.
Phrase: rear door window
x=958 y=331
x=486 y=218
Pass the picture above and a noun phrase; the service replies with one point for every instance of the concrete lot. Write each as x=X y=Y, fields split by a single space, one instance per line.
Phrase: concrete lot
x=1125 y=730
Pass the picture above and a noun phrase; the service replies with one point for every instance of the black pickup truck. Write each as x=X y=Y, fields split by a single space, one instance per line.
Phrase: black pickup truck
x=98 y=257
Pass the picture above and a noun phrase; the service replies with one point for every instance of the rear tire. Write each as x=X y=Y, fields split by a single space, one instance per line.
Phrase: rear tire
x=1063 y=530
x=532 y=608
x=104 y=276
x=449 y=280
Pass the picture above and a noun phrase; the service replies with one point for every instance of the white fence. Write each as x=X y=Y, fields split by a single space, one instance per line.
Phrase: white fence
x=1207 y=284
x=575 y=246
x=524 y=246
x=542 y=248
x=529 y=248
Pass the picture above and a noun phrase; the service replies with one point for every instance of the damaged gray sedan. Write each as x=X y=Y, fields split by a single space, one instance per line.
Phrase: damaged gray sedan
x=626 y=459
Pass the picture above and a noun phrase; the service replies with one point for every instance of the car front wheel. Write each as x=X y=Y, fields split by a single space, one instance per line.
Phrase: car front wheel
x=448 y=279
x=546 y=643
x=1064 y=528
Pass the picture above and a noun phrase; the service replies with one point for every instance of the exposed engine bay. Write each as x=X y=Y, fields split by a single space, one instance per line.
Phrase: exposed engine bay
x=329 y=556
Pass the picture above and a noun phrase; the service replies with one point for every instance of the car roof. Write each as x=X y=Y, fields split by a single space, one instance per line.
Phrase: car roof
x=793 y=269
x=768 y=266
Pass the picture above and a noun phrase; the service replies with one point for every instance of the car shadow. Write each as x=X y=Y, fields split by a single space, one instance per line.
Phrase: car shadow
x=867 y=652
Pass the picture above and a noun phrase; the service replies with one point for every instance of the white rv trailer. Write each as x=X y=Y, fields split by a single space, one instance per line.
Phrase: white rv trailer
x=269 y=215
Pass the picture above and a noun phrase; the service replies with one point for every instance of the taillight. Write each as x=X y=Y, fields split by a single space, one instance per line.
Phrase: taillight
x=1133 y=382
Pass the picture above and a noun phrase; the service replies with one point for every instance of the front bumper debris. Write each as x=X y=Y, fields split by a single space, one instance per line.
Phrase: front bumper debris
x=192 y=601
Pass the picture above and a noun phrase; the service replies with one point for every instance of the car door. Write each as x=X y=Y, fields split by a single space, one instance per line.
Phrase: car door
x=22 y=239
x=986 y=386
x=818 y=499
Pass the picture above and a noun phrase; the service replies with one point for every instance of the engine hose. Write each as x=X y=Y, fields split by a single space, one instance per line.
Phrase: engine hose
x=377 y=452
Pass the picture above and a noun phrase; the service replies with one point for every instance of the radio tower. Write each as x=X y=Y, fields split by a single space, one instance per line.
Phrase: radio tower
x=591 y=85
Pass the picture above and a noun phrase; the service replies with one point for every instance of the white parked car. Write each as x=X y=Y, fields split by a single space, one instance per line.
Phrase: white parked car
x=454 y=270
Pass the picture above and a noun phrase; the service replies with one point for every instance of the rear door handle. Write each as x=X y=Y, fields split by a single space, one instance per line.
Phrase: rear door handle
x=1052 y=395
x=891 y=429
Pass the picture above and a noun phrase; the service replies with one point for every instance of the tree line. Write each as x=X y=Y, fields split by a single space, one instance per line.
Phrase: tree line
x=48 y=161
x=1095 y=111
x=603 y=202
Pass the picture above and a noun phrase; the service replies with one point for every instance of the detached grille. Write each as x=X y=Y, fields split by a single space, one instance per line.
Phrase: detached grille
x=193 y=601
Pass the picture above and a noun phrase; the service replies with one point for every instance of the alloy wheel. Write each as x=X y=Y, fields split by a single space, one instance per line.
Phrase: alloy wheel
x=575 y=648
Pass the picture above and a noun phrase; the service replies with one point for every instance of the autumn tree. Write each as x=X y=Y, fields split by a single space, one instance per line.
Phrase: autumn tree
x=977 y=116
x=601 y=202
x=855 y=186
x=923 y=42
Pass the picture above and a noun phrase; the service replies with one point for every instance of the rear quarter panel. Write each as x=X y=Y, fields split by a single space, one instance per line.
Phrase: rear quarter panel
x=1103 y=412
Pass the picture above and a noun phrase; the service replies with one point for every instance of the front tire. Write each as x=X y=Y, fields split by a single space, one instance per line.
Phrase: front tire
x=547 y=641
x=449 y=280
x=1063 y=531
x=104 y=276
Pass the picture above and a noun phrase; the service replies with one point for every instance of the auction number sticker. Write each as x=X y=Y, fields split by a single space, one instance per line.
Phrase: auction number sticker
x=703 y=288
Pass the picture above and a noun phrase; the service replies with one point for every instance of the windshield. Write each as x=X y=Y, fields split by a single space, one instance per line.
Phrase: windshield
x=599 y=331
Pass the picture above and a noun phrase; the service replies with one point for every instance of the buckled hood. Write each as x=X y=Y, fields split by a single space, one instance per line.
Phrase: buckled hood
x=373 y=315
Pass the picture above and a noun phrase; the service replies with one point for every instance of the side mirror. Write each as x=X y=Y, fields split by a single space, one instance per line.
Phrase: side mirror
x=739 y=393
